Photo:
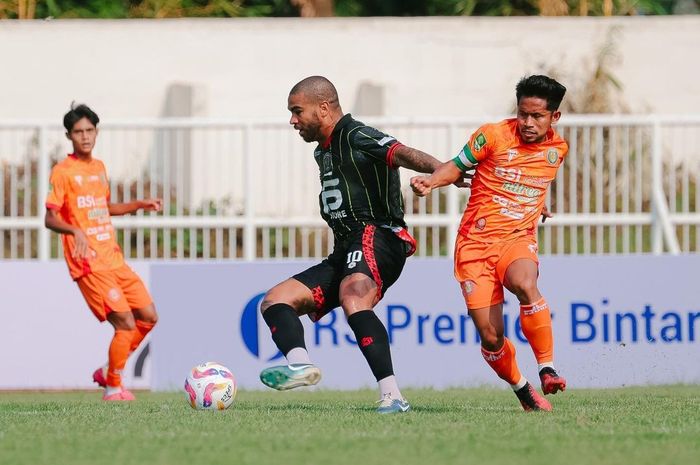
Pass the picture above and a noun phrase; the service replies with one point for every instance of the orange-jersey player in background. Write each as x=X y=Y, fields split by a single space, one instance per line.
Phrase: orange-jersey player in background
x=515 y=162
x=78 y=207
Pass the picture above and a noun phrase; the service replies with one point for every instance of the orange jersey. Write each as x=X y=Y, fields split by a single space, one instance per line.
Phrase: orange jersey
x=79 y=192
x=509 y=187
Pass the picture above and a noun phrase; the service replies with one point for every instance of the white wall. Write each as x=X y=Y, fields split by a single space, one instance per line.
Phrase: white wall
x=245 y=67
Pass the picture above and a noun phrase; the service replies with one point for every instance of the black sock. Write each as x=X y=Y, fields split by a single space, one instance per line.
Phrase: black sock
x=285 y=326
x=373 y=341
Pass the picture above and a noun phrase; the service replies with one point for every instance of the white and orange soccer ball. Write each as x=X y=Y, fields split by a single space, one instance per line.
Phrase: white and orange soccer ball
x=210 y=386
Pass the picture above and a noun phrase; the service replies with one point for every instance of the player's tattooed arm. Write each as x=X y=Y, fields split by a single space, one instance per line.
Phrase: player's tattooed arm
x=414 y=159
x=447 y=173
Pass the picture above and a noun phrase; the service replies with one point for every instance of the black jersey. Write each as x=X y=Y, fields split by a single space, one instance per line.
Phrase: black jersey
x=359 y=184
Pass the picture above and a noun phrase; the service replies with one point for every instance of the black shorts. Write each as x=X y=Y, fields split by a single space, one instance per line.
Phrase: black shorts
x=377 y=252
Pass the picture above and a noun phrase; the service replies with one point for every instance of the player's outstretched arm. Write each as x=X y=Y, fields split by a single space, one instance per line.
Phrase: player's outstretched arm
x=117 y=209
x=445 y=174
x=56 y=224
x=415 y=160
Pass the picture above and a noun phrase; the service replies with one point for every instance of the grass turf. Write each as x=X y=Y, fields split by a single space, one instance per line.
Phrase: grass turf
x=654 y=425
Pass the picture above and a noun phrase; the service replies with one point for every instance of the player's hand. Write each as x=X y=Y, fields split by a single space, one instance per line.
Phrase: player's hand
x=546 y=214
x=152 y=205
x=420 y=185
x=465 y=181
x=82 y=246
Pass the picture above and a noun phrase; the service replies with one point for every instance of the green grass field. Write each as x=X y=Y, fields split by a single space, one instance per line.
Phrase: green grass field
x=659 y=425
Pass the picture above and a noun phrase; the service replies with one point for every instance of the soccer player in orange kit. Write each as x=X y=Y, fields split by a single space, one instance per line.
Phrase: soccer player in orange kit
x=515 y=162
x=78 y=207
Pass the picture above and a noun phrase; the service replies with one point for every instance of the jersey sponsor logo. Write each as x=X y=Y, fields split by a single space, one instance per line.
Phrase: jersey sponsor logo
x=331 y=197
x=517 y=188
x=98 y=214
x=510 y=174
x=86 y=201
x=338 y=215
x=552 y=156
x=103 y=236
x=479 y=142
x=525 y=200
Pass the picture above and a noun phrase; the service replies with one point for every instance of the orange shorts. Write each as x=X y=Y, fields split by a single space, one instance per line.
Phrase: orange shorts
x=480 y=268
x=119 y=290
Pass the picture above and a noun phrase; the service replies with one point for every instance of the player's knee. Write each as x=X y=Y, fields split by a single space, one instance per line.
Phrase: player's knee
x=357 y=286
x=525 y=289
x=491 y=340
x=122 y=320
x=149 y=315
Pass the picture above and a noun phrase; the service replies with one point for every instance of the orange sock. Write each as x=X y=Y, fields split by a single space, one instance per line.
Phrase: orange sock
x=118 y=353
x=536 y=323
x=503 y=362
x=142 y=330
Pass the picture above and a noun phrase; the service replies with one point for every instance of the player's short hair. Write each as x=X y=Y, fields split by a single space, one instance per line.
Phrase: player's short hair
x=78 y=112
x=318 y=88
x=543 y=87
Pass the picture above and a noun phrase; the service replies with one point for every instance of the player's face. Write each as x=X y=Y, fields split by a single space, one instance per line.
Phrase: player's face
x=534 y=120
x=305 y=118
x=83 y=136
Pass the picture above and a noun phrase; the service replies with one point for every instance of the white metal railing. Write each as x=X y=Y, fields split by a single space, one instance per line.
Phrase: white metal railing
x=236 y=189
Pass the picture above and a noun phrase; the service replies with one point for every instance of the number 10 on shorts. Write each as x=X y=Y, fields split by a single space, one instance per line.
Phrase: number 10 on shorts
x=354 y=258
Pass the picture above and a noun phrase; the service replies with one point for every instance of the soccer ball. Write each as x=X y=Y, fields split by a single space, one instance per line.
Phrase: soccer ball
x=210 y=386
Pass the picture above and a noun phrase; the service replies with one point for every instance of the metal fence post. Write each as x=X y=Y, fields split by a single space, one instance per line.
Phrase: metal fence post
x=662 y=229
x=43 y=235
x=249 y=244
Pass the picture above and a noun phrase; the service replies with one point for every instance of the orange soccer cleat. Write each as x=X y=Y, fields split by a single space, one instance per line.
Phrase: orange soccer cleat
x=99 y=377
x=122 y=395
x=551 y=381
x=531 y=400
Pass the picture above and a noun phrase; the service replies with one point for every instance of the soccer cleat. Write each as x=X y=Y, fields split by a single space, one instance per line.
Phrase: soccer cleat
x=531 y=400
x=551 y=381
x=99 y=377
x=285 y=377
x=389 y=405
x=122 y=395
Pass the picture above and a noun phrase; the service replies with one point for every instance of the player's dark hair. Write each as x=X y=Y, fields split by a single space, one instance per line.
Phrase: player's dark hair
x=543 y=87
x=77 y=113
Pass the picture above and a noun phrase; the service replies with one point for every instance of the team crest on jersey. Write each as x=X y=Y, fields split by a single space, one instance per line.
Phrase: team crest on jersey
x=479 y=142
x=327 y=164
x=552 y=156
x=468 y=287
x=480 y=224
x=512 y=153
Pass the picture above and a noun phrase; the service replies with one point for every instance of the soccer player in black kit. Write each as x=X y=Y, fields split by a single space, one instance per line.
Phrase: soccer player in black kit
x=361 y=201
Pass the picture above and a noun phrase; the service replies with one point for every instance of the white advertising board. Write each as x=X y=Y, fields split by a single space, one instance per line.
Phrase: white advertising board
x=618 y=321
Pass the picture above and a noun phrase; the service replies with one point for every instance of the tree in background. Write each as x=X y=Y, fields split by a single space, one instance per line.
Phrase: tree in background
x=28 y=9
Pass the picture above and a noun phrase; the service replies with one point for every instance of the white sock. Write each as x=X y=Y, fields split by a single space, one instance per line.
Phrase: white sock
x=298 y=355
x=543 y=365
x=520 y=384
x=109 y=390
x=389 y=386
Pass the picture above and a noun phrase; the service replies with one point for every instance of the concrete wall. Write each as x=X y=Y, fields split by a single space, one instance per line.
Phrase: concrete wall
x=245 y=67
